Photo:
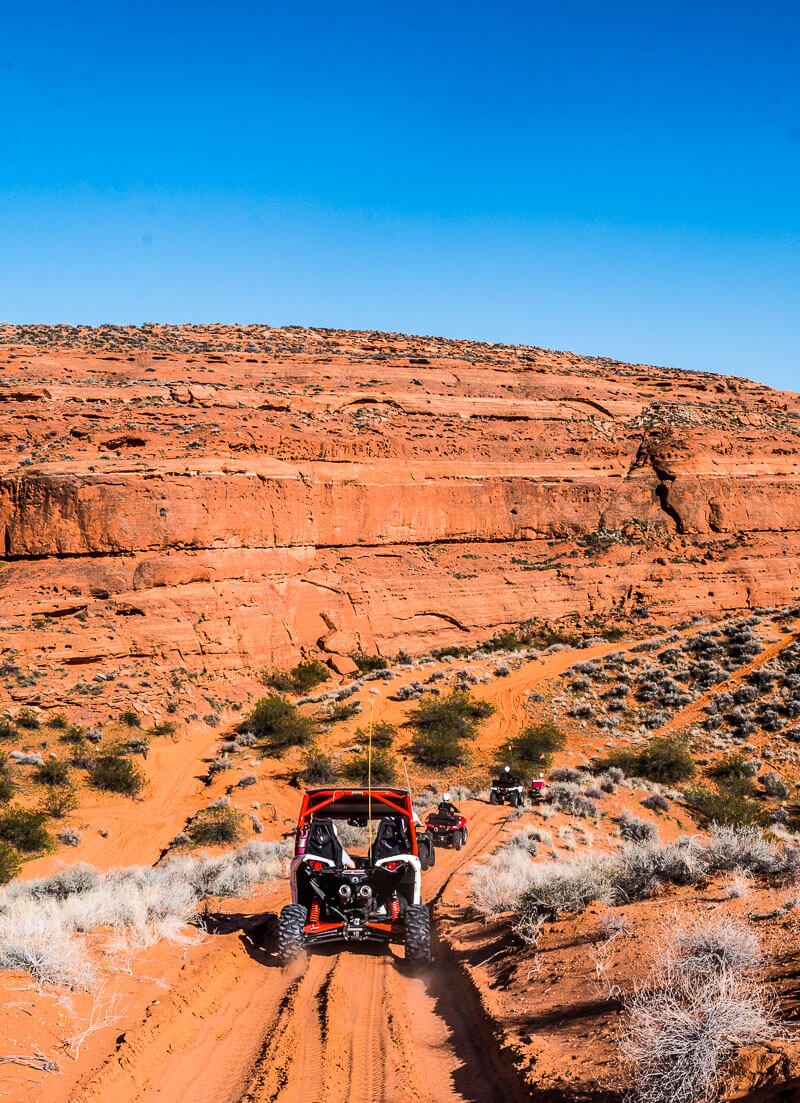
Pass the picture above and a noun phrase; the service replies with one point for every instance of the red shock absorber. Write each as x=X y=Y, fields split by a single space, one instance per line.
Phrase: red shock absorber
x=314 y=915
x=395 y=909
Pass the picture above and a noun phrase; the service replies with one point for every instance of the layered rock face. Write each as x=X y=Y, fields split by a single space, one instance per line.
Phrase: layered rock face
x=231 y=497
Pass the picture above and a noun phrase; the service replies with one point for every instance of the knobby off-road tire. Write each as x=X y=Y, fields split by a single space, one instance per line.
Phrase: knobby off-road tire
x=493 y=797
x=427 y=854
x=291 y=939
x=458 y=840
x=418 y=934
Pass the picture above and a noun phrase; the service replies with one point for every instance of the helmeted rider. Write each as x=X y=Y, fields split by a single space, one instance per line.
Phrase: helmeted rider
x=446 y=807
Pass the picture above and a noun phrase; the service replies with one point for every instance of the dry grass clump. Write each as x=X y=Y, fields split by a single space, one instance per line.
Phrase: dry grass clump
x=135 y=907
x=699 y=1006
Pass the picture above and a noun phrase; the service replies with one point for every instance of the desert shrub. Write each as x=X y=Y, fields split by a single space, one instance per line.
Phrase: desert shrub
x=712 y=945
x=164 y=727
x=114 y=774
x=25 y=830
x=58 y=800
x=775 y=786
x=656 y=803
x=685 y=1024
x=219 y=765
x=443 y=726
x=383 y=735
x=10 y=863
x=570 y=798
x=35 y=937
x=534 y=747
x=130 y=718
x=383 y=769
x=8 y=729
x=498 y=882
x=526 y=840
x=566 y=773
x=278 y=724
x=636 y=829
x=7 y=784
x=739 y=848
x=729 y=803
x=28 y=720
x=52 y=772
x=57 y=721
x=557 y=887
x=640 y=869
x=342 y=710
x=367 y=663
x=303 y=677
x=69 y=837
x=319 y=768
x=733 y=767
x=664 y=758
x=215 y=825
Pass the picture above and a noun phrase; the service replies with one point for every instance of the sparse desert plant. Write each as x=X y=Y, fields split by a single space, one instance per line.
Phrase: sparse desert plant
x=130 y=718
x=216 y=825
x=28 y=720
x=319 y=768
x=656 y=803
x=636 y=829
x=534 y=747
x=380 y=768
x=383 y=735
x=341 y=710
x=164 y=727
x=366 y=662
x=687 y=1022
x=711 y=945
x=114 y=774
x=277 y=724
x=444 y=725
x=303 y=677
x=740 y=848
x=10 y=862
x=58 y=800
x=728 y=803
x=34 y=936
x=665 y=758
x=52 y=772
x=8 y=729
x=7 y=784
x=775 y=786
x=69 y=837
x=25 y=830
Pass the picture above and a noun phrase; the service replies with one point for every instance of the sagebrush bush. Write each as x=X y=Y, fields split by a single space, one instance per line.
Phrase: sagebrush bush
x=58 y=800
x=637 y=829
x=383 y=735
x=7 y=784
x=10 y=863
x=52 y=772
x=382 y=768
x=665 y=758
x=534 y=747
x=303 y=677
x=444 y=725
x=318 y=769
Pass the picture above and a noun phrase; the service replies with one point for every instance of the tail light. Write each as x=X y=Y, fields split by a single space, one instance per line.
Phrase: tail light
x=392 y=865
x=316 y=866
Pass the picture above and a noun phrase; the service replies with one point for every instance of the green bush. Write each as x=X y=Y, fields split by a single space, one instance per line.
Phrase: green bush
x=533 y=748
x=342 y=710
x=10 y=863
x=8 y=729
x=28 y=720
x=59 y=800
x=666 y=758
x=73 y=733
x=444 y=725
x=367 y=663
x=300 y=679
x=52 y=772
x=216 y=825
x=733 y=767
x=114 y=774
x=130 y=718
x=7 y=784
x=383 y=772
x=58 y=721
x=278 y=724
x=164 y=727
x=25 y=830
x=383 y=735
x=730 y=803
x=319 y=769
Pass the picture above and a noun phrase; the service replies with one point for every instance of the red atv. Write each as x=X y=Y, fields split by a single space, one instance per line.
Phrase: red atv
x=447 y=829
x=372 y=895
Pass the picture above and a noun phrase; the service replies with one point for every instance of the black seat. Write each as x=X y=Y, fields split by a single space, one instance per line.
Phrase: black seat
x=389 y=840
x=323 y=843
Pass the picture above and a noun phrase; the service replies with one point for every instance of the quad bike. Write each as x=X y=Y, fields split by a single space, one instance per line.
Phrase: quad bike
x=507 y=789
x=372 y=897
x=447 y=830
x=536 y=790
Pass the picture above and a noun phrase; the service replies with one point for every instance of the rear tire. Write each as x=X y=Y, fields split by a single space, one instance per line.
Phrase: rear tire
x=425 y=851
x=464 y=834
x=418 y=934
x=291 y=937
x=493 y=797
x=457 y=840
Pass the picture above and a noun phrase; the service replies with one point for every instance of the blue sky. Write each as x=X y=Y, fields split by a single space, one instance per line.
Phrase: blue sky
x=619 y=179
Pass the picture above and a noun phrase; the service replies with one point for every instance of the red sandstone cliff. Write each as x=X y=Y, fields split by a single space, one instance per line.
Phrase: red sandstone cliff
x=229 y=496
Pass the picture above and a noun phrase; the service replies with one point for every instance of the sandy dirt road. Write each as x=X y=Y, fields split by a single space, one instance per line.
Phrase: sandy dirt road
x=352 y=1024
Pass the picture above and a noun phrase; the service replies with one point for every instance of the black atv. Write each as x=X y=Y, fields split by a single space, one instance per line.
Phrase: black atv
x=507 y=789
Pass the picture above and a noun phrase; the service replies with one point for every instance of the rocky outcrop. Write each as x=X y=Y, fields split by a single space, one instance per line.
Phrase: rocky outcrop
x=233 y=497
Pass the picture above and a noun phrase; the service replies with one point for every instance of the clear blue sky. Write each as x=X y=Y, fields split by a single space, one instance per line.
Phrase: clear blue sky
x=617 y=178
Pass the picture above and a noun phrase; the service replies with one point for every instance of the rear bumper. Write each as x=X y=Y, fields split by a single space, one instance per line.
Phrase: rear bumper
x=316 y=933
